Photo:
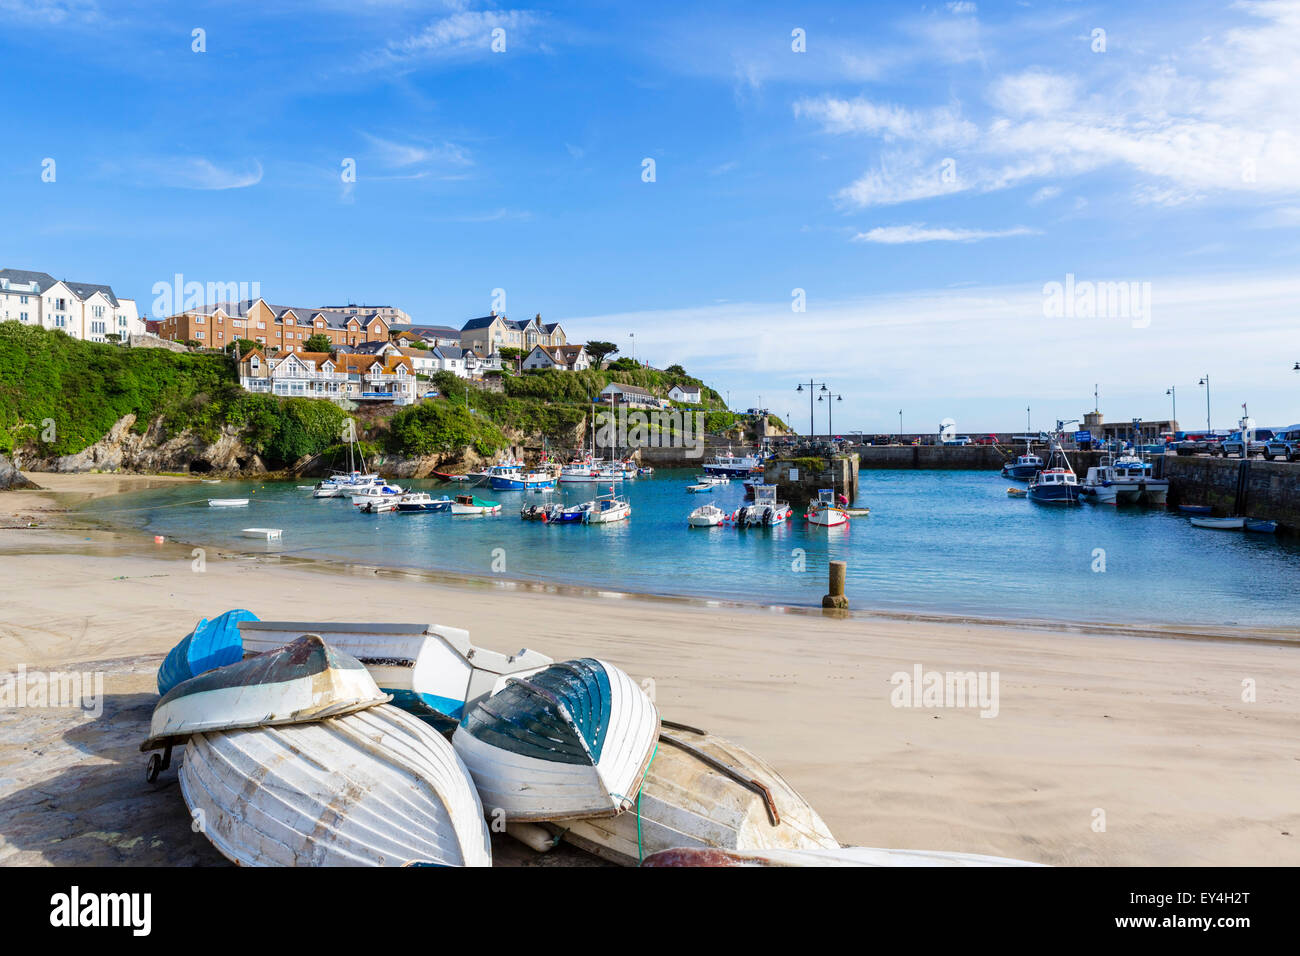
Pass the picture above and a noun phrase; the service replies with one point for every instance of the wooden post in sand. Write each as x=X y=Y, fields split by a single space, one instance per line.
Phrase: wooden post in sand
x=836 y=598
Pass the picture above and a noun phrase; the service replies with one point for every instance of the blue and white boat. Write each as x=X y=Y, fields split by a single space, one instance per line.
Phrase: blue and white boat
x=512 y=477
x=431 y=670
x=1055 y=484
x=574 y=740
x=1023 y=468
x=418 y=501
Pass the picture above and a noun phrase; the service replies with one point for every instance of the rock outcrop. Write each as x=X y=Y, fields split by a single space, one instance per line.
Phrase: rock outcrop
x=125 y=450
x=11 y=478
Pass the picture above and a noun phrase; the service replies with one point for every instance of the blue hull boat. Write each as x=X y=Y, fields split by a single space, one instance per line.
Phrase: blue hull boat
x=437 y=504
x=1194 y=509
x=213 y=643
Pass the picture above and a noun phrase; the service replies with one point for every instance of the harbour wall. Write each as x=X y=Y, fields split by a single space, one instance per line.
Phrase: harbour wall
x=798 y=480
x=1255 y=488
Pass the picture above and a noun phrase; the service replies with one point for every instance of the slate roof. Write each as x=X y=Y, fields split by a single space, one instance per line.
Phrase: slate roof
x=43 y=280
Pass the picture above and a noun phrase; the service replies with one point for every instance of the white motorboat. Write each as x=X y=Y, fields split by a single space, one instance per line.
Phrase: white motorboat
x=700 y=489
x=270 y=534
x=378 y=504
x=1133 y=480
x=825 y=512
x=370 y=492
x=766 y=511
x=472 y=505
x=706 y=516
x=713 y=480
x=734 y=466
x=227 y=502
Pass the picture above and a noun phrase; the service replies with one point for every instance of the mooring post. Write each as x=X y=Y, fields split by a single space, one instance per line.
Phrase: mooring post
x=835 y=598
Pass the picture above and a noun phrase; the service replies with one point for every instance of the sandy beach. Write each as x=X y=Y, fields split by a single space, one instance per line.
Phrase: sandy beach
x=1149 y=734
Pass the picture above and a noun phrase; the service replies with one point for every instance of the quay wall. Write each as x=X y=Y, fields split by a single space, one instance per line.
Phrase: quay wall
x=798 y=483
x=1255 y=488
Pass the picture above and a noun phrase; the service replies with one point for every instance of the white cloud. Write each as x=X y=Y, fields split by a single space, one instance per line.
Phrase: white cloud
x=1183 y=137
x=897 y=235
x=458 y=36
x=197 y=172
x=1046 y=193
x=392 y=153
x=60 y=12
x=961 y=7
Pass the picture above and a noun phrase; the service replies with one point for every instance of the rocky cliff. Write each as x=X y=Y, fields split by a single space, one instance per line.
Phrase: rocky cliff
x=125 y=450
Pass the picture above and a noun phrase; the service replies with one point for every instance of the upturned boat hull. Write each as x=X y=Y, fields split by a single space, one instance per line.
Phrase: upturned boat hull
x=374 y=788
x=571 y=741
x=705 y=791
x=432 y=671
x=213 y=643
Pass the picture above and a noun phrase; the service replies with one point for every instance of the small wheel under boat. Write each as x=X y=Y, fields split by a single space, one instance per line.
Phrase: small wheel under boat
x=158 y=762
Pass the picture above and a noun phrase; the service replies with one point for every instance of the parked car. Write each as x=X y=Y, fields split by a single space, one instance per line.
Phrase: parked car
x=1233 y=445
x=1285 y=444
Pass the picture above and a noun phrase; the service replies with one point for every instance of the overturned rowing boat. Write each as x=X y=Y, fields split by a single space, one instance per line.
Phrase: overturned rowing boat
x=572 y=740
x=213 y=643
x=704 y=791
x=372 y=788
x=431 y=670
x=304 y=680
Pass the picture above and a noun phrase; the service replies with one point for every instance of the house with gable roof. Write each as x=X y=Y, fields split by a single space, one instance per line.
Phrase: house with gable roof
x=83 y=310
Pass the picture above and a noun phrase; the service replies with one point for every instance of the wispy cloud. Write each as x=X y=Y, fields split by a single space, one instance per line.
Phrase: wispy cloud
x=462 y=35
x=197 y=172
x=899 y=235
x=392 y=153
x=58 y=12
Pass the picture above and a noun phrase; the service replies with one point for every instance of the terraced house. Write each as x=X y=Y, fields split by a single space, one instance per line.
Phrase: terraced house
x=278 y=328
x=81 y=309
x=490 y=333
x=358 y=377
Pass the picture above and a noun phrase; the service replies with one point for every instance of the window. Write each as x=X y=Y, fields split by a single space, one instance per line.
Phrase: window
x=261 y=325
x=199 y=334
x=22 y=300
x=199 y=319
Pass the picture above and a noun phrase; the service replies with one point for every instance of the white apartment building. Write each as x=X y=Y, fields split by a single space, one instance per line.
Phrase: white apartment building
x=81 y=309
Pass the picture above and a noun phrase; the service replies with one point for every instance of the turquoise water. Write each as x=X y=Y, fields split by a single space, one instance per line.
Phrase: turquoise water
x=947 y=542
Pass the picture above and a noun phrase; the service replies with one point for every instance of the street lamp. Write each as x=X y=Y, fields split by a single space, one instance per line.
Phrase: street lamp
x=900 y=426
x=1172 y=392
x=812 y=387
x=831 y=399
x=632 y=336
x=1206 y=382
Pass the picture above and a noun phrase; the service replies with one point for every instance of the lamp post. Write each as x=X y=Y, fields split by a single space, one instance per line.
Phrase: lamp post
x=1206 y=382
x=1172 y=392
x=831 y=399
x=632 y=336
x=900 y=426
x=812 y=387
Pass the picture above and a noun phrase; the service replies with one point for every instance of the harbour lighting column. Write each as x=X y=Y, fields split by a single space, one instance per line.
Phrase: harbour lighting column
x=812 y=387
x=1206 y=382
x=830 y=399
x=1172 y=392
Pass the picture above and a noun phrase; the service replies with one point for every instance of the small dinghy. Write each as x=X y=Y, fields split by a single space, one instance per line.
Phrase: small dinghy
x=432 y=671
x=571 y=741
x=699 y=489
x=706 y=792
x=227 y=502
x=304 y=680
x=1222 y=524
x=1017 y=493
x=1259 y=526
x=213 y=643
x=844 y=856
x=372 y=788
x=270 y=534
x=1194 y=509
x=857 y=512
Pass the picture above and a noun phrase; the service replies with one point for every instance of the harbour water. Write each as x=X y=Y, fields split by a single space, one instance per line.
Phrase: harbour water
x=936 y=542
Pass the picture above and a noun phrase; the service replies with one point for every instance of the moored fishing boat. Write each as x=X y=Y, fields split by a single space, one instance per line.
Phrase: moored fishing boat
x=704 y=791
x=371 y=788
x=572 y=740
x=417 y=502
x=1055 y=484
x=512 y=477
x=825 y=512
x=381 y=491
x=472 y=505
x=302 y=680
x=732 y=465
x=706 y=516
x=1024 y=467
x=766 y=511
x=431 y=670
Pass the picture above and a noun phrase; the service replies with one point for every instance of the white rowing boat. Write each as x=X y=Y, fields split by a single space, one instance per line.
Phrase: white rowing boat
x=303 y=680
x=270 y=534
x=705 y=791
x=227 y=502
x=1222 y=524
x=373 y=788
x=570 y=741
x=431 y=670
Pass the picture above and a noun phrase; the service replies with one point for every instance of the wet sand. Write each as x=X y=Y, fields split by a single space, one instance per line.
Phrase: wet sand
x=1153 y=732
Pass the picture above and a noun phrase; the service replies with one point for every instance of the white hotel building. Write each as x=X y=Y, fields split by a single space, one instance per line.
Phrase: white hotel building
x=82 y=310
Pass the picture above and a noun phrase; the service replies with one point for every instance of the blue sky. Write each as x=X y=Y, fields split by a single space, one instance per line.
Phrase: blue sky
x=921 y=171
